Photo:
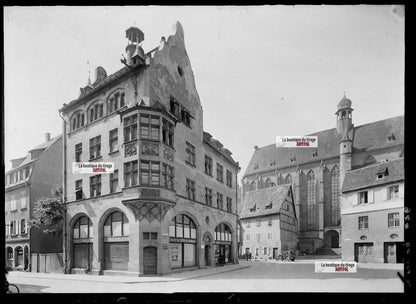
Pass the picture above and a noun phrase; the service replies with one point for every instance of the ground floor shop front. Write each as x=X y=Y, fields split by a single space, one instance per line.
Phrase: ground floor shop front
x=119 y=241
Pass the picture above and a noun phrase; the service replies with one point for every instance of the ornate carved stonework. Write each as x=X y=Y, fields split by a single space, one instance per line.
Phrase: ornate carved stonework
x=149 y=210
x=151 y=149
x=149 y=192
x=130 y=149
x=168 y=154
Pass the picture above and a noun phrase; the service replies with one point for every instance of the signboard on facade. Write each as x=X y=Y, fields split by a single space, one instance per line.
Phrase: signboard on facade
x=92 y=168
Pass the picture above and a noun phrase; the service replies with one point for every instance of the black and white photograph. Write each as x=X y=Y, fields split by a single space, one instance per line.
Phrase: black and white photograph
x=204 y=149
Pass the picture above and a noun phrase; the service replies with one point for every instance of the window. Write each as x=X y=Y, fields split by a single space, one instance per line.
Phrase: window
x=174 y=107
x=335 y=212
x=13 y=205
x=130 y=173
x=190 y=154
x=208 y=196
x=113 y=181
x=253 y=209
x=82 y=228
x=95 y=185
x=149 y=173
x=13 y=228
x=363 y=222
x=190 y=189
x=264 y=250
x=95 y=147
x=247 y=237
x=229 y=204
x=23 y=200
x=167 y=132
x=393 y=192
x=257 y=223
x=219 y=201
x=394 y=219
x=208 y=165
x=77 y=121
x=113 y=135
x=220 y=170
x=269 y=236
x=149 y=235
x=269 y=206
x=23 y=226
x=270 y=222
x=311 y=199
x=116 y=224
x=96 y=111
x=229 y=179
x=130 y=128
x=78 y=152
x=223 y=233
x=182 y=226
x=363 y=197
x=168 y=176
x=114 y=103
x=258 y=237
x=78 y=189
x=149 y=127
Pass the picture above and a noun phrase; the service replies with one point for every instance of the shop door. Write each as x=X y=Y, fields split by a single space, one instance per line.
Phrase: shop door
x=390 y=253
x=275 y=253
x=83 y=256
x=150 y=260
x=116 y=255
x=363 y=252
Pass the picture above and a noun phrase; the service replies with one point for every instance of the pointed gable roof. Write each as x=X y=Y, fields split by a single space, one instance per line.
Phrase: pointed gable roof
x=272 y=197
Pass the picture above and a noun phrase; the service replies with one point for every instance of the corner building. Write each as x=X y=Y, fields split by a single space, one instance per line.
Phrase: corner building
x=170 y=203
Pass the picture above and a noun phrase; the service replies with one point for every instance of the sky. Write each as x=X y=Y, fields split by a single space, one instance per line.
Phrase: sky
x=260 y=71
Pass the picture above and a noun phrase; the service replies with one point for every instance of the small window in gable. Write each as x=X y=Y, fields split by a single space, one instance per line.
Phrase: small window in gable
x=391 y=137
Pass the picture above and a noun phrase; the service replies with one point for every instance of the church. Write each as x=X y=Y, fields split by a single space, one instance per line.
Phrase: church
x=316 y=174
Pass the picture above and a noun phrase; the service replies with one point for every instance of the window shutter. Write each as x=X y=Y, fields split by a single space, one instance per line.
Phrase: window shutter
x=370 y=196
x=17 y=227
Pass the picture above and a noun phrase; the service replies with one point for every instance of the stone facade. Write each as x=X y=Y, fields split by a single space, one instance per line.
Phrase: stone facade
x=316 y=174
x=168 y=223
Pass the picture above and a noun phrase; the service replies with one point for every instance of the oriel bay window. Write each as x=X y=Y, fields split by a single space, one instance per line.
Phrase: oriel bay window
x=149 y=173
x=149 y=126
x=130 y=128
x=168 y=176
x=95 y=185
x=190 y=189
x=95 y=147
x=167 y=132
x=130 y=173
x=182 y=233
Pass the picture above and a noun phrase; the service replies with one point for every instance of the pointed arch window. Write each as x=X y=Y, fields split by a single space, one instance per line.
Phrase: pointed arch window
x=288 y=179
x=311 y=199
x=335 y=212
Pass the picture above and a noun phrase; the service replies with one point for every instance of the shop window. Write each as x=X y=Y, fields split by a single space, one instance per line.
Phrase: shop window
x=82 y=228
x=116 y=224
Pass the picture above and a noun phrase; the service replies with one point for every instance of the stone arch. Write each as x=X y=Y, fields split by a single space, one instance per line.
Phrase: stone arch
x=107 y=212
x=18 y=256
x=226 y=223
x=205 y=237
x=9 y=257
x=120 y=103
x=332 y=239
x=97 y=113
x=190 y=215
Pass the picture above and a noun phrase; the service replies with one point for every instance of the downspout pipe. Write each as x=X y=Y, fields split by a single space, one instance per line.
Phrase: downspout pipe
x=65 y=251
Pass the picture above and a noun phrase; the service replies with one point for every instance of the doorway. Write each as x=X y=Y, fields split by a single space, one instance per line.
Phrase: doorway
x=393 y=252
x=207 y=255
x=150 y=260
x=275 y=253
x=363 y=252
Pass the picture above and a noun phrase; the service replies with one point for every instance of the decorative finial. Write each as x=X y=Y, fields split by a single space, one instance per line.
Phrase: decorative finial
x=89 y=79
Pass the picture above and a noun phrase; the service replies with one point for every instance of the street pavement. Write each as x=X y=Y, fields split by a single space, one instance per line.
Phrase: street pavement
x=247 y=276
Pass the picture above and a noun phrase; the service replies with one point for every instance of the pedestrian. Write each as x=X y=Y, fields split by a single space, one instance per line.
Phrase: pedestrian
x=249 y=255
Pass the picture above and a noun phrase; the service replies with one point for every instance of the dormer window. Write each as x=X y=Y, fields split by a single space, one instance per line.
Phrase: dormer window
x=382 y=172
x=253 y=209
x=77 y=121
x=391 y=137
x=293 y=158
x=315 y=154
x=269 y=206
x=95 y=111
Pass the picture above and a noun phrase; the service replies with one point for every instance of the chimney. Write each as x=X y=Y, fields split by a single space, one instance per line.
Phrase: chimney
x=47 y=137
